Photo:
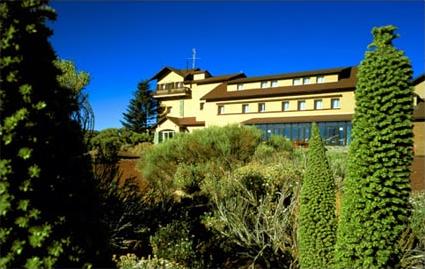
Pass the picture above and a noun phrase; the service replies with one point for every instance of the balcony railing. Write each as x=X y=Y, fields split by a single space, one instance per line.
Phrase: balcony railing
x=184 y=91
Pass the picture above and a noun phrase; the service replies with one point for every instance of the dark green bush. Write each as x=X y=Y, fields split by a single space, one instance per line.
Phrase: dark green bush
x=375 y=205
x=317 y=220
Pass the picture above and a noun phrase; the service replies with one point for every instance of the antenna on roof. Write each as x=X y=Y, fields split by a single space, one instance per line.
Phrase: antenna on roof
x=193 y=58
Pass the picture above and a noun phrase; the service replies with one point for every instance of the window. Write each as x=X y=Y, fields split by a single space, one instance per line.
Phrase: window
x=201 y=106
x=285 y=105
x=245 y=108
x=220 y=110
x=240 y=86
x=306 y=80
x=261 y=107
x=320 y=79
x=264 y=84
x=301 y=105
x=165 y=135
x=318 y=104
x=296 y=81
x=335 y=103
x=274 y=83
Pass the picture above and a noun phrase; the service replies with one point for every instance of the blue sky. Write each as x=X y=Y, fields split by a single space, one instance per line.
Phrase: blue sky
x=122 y=42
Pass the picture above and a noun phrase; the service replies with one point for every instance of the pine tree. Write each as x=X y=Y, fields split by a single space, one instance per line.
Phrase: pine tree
x=375 y=197
x=141 y=110
x=317 y=220
x=47 y=215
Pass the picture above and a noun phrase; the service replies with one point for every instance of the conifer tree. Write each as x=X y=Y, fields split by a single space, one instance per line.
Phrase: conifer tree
x=317 y=220
x=47 y=215
x=141 y=109
x=375 y=196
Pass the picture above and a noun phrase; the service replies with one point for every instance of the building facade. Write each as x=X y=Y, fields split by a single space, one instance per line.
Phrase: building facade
x=282 y=104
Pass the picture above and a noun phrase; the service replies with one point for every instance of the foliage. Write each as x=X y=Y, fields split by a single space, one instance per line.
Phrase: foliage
x=174 y=242
x=255 y=210
x=142 y=109
x=130 y=261
x=317 y=220
x=412 y=242
x=108 y=142
x=75 y=82
x=217 y=149
x=47 y=206
x=375 y=196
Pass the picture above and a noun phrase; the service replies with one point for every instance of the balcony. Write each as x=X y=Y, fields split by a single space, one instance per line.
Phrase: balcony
x=173 y=89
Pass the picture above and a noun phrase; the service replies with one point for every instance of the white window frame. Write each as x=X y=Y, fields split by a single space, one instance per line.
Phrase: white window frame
x=239 y=86
x=336 y=105
x=285 y=105
x=301 y=105
x=274 y=83
x=245 y=108
x=297 y=81
x=321 y=79
x=220 y=110
x=306 y=80
x=318 y=101
x=264 y=84
x=261 y=107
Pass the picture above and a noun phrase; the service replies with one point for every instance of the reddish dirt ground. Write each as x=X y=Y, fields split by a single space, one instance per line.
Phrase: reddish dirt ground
x=418 y=174
x=128 y=170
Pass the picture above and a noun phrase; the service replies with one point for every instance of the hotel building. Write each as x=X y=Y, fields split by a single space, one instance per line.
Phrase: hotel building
x=282 y=104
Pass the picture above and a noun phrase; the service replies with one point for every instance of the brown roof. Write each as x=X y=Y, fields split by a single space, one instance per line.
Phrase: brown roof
x=419 y=112
x=182 y=72
x=316 y=118
x=218 y=78
x=184 y=122
x=220 y=93
x=418 y=80
x=291 y=75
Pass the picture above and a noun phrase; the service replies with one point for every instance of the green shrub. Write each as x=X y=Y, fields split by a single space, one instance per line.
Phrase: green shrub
x=220 y=148
x=280 y=143
x=130 y=261
x=317 y=220
x=375 y=205
x=174 y=242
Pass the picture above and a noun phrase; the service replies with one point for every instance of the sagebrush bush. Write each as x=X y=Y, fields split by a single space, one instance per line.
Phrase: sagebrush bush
x=255 y=210
x=317 y=219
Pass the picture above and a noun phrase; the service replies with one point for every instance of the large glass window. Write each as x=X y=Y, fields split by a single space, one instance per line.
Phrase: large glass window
x=332 y=133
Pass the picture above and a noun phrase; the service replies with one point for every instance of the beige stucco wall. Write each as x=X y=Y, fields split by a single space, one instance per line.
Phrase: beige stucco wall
x=419 y=138
x=171 y=77
x=420 y=89
x=280 y=82
x=167 y=125
x=233 y=110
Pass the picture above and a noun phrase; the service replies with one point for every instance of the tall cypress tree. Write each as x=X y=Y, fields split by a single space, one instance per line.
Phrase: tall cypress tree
x=317 y=220
x=47 y=215
x=142 y=109
x=375 y=196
